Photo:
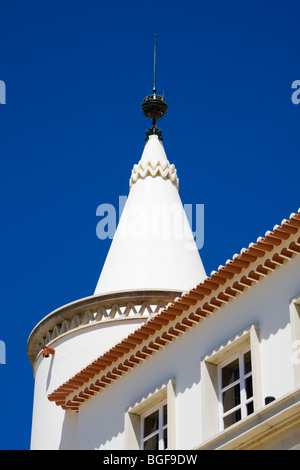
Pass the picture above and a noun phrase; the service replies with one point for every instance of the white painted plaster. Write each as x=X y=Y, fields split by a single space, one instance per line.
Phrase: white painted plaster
x=101 y=420
x=153 y=247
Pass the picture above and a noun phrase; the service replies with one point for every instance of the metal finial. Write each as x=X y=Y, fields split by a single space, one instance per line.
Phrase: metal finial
x=154 y=68
x=154 y=106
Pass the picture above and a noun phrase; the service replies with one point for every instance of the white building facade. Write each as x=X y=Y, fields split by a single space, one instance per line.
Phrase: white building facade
x=163 y=356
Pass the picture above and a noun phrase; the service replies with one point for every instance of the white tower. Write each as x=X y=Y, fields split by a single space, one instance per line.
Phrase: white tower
x=153 y=248
x=153 y=258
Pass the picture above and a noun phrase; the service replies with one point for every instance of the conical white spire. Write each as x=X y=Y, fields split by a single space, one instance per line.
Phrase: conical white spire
x=153 y=247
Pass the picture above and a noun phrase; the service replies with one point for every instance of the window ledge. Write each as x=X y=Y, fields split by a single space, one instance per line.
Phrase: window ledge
x=265 y=423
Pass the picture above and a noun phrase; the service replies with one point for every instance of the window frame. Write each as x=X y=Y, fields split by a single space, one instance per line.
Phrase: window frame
x=247 y=337
x=161 y=426
x=241 y=381
x=163 y=393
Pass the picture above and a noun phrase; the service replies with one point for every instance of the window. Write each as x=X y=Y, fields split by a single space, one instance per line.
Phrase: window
x=234 y=348
x=150 y=422
x=235 y=388
x=154 y=428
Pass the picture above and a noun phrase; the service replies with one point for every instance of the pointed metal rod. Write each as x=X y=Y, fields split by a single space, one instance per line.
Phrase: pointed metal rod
x=154 y=71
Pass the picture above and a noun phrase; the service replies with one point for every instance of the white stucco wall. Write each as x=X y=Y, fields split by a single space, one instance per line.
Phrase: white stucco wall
x=100 y=423
x=73 y=351
x=266 y=304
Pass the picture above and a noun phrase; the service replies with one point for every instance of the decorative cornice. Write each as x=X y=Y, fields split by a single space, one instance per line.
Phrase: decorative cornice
x=246 y=269
x=94 y=310
x=163 y=169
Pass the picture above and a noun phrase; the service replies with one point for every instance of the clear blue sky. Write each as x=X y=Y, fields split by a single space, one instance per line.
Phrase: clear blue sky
x=76 y=73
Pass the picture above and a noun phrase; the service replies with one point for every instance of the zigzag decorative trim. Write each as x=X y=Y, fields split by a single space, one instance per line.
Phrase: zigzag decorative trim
x=164 y=170
x=101 y=314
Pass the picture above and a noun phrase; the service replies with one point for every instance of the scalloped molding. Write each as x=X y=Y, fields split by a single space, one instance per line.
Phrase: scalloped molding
x=165 y=170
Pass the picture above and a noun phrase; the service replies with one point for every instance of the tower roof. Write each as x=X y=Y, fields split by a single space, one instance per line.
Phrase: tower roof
x=153 y=247
x=153 y=163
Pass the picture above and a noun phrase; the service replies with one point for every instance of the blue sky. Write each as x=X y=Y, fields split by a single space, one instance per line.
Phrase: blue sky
x=72 y=129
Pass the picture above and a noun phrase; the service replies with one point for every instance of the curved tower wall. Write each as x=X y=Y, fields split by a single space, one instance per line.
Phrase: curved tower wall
x=73 y=351
x=141 y=275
